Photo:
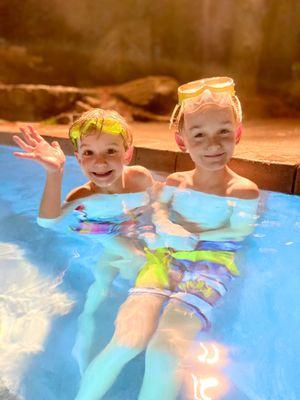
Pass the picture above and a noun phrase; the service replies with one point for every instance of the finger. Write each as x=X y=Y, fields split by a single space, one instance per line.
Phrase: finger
x=24 y=146
x=35 y=134
x=28 y=137
x=55 y=144
x=29 y=156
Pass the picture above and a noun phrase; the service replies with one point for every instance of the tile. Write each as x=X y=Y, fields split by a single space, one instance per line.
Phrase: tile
x=183 y=162
x=297 y=181
x=269 y=176
x=157 y=160
x=281 y=175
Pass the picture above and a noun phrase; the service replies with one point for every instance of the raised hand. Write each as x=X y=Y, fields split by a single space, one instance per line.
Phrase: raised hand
x=50 y=156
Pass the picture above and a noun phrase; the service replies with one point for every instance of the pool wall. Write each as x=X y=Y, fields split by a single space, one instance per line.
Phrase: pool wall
x=268 y=153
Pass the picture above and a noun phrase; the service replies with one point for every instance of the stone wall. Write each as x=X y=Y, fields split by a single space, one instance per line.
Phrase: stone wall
x=88 y=42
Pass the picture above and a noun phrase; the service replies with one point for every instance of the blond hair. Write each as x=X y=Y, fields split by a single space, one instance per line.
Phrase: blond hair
x=98 y=120
x=194 y=95
x=232 y=103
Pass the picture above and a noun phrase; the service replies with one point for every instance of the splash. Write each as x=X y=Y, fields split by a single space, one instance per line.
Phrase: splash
x=28 y=303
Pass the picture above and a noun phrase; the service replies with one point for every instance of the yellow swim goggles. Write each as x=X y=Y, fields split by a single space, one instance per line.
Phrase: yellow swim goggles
x=196 y=88
x=109 y=125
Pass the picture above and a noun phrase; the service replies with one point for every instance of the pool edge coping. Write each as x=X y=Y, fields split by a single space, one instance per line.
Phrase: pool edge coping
x=268 y=174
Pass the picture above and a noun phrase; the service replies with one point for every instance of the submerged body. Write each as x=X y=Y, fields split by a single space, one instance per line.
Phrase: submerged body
x=182 y=283
x=103 y=149
x=209 y=133
x=254 y=321
x=197 y=277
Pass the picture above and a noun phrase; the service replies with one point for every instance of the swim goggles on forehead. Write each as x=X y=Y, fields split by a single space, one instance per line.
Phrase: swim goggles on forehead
x=109 y=125
x=192 y=90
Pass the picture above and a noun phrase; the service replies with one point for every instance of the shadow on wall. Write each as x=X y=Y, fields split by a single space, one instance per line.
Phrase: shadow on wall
x=86 y=43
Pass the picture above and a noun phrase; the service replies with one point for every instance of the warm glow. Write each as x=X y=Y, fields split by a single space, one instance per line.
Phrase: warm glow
x=212 y=353
x=210 y=387
x=206 y=357
x=203 y=376
x=201 y=385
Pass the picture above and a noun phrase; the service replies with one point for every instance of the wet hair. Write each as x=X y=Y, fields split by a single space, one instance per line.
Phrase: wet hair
x=192 y=96
x=98 y=120
x=223 y=100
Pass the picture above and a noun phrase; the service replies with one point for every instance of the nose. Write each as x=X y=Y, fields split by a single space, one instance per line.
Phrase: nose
x=100 y=159
x=213 y=142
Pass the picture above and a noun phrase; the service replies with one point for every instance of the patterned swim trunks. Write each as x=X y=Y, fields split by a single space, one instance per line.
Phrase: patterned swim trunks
x=197 y=278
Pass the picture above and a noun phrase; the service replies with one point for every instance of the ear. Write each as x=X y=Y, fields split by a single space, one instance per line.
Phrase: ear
x=180 y=142
x=76 y=154
x=128 y=155
x=238 y=133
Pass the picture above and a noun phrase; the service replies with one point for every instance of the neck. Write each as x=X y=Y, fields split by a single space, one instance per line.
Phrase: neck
x=116 y=187
x=205 y=178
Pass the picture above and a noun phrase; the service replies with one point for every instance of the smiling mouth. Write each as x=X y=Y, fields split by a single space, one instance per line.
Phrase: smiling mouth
x=103 y=174
x=214 y=155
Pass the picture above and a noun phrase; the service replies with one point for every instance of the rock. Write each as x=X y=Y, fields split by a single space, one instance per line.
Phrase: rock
x=139 y=114
x=294 y=89
x=296 y=71
x=294 y=96
x=92 y=101
x=81 y=106
x=157 y=94
x=267 y=106
x=36 y=102
x=148 y=99
x=64 y=118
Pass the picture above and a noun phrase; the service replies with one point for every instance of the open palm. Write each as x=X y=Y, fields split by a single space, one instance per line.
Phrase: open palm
x=50 y=156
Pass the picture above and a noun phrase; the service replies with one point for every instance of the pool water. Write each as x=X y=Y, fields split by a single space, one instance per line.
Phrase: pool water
x=45 y=276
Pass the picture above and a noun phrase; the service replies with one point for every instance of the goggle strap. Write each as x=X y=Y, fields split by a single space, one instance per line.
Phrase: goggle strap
x=174 y=115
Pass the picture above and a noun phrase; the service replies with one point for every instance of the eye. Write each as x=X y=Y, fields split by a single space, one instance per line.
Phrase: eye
x=87 y=153
x=112 y=151
x=199 y=135
x=224 y=131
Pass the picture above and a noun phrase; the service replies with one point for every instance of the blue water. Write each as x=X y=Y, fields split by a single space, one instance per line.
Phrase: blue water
x=45 y=277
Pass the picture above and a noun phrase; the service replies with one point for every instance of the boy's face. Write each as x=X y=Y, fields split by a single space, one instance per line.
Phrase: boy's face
x=102 y=157
x=209 y=135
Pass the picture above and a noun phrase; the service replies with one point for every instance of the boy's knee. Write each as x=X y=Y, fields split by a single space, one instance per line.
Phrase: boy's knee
x=137 y=320
x=162 y=341
x=125 y=349
x=168 y=341
x=131 y=339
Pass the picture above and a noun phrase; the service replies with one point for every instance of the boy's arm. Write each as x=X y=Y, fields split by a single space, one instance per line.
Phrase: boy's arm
x=243 y=218
x=52 y=159
x=50 y=206
x=138 y=178
x=162 y=205
x=172 y=234
x=231 y=233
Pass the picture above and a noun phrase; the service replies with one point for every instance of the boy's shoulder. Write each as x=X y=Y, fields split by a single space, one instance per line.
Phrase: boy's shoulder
x=139 y=177
x=178 y=178
x=80 y=192
x=242 y=188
